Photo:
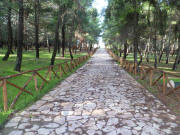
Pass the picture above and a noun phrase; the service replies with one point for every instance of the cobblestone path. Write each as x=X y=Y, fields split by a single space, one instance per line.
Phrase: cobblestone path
x=100 y=98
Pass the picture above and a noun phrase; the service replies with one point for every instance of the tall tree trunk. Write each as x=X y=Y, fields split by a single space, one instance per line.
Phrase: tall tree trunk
x=125 y=49
x=90 y=47
x=70 y=51
x=59 y=42
x=167 y=55
x=49 y=48
x=36 y=7
x=177 y=56
x=155 y=41
x=20 y=36
x=63 y=39
x=135 y=31
x=1 y=44
x=162 y=50
x=168 y=50
x=173 y=51
x=56 y=39
x=147 y=51
x=141 y=57
x=10 y=35
x=70 y=46
x=120 y=53
x=81 y=44
x=47 y=42
x=155 y=50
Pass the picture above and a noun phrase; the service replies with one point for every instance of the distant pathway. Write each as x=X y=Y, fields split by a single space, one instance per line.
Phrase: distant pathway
x=100 y=98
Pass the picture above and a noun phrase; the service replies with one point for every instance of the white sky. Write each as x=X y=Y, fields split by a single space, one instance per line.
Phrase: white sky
x=100 y=5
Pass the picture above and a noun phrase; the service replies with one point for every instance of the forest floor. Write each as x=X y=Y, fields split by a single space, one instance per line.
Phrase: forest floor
x=100 y=98
x=29 y=63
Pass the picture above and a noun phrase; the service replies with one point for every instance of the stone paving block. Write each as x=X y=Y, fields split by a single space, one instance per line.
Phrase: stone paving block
x=99 y=98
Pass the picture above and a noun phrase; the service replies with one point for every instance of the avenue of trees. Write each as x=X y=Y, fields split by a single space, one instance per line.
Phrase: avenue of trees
x=145 y=28
x=57 y=24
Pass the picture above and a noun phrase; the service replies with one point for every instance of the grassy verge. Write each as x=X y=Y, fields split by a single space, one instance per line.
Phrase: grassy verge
x=28 y=64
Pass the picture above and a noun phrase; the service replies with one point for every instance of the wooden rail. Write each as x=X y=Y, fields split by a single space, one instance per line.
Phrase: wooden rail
x=55 y=71
x=155 y=77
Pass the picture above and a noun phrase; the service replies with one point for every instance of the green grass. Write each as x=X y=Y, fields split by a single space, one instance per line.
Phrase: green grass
x=29 y=63
x=162 y=65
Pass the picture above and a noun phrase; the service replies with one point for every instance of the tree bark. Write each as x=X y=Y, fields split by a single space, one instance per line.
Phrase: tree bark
x=1 y=43
x=56 y=39
x=141 y=57
x=120 y=53
x=147 y=50
x=47 y=42
x=59 y=49
x=135 y=30
x=90 y=47
x=177 y=56
x=20 y=36
x=36 y=7
x=49 y=48
x=155 y=40
x=63 y=39
x=168 y=50
x=155 y=50
x=70 y=46
x=125 y=49
x=167 y=54
x=10 y=35
x=162 y=50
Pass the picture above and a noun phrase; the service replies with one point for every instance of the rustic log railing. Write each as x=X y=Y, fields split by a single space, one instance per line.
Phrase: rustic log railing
x=55 y=71
x=155 y=77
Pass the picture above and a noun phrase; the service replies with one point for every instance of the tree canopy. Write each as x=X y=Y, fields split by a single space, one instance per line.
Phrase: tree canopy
x=144 y=26
x=43 y=23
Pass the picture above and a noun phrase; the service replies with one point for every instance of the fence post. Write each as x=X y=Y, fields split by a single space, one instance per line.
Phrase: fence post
x=50 y=74
x=75 y=61
x=141 y=72
x=164 y=83
x=129 y=67
x=35 y=81
x=72 y=66
x=150 y=77
x=5 y=95
x=132 y=68
x=135 y=69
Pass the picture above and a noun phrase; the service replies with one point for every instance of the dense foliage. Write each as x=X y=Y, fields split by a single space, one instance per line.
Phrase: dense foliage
x=145 y=28
x=29 y=24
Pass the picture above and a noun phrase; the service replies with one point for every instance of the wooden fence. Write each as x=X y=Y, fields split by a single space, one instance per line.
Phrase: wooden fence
x=55 y=71
x=155 y=77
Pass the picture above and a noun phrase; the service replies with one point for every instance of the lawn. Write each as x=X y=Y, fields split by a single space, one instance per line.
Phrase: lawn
x=29 y=63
